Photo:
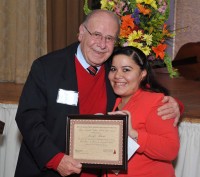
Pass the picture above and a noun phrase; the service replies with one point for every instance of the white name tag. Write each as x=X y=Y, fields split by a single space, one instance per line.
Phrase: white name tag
x=67 y=97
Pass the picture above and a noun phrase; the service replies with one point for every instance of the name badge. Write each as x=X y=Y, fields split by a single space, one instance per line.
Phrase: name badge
x=67 y=97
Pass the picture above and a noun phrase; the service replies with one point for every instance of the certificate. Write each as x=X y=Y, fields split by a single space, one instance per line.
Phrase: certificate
x=98 y=141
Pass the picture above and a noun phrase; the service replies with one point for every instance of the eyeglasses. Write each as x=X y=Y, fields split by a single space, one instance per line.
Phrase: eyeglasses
x=99 y=37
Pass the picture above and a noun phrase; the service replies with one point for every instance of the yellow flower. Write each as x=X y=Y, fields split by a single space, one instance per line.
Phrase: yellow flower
x=134 y=35
x=136 y=44
x=139 y=33
x=146 y=50
x=139 y=1
x=148 y=38
x=148 y=1
x=111 y=3
x=154 y=5
x=103 y=4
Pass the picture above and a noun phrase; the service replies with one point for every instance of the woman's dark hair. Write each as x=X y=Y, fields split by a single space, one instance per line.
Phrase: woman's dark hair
x=149 y=83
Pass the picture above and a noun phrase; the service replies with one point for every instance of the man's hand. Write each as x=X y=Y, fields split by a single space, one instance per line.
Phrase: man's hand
x=170 y=109
x=68 y=166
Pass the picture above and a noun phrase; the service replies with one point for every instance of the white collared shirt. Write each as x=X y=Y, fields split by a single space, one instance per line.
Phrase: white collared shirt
x=81 y=59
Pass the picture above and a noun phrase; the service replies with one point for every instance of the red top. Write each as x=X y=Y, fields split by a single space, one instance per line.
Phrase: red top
x=158 y=139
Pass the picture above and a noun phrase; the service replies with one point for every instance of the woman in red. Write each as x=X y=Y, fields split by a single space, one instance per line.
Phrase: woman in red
x=139 y=94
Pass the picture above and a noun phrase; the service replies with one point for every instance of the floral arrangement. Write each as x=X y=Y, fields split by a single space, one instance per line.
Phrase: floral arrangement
x=143 y=25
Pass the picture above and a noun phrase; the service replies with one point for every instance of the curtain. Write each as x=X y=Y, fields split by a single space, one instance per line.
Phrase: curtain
x=63 y=20
x=22 y=37
x=187 y=25
x=31 y=28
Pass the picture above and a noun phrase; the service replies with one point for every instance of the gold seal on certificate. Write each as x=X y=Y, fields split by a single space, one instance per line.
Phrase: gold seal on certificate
x=98 y=141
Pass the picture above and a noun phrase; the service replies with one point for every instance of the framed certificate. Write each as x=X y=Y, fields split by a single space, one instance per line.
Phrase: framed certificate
x=98 y=141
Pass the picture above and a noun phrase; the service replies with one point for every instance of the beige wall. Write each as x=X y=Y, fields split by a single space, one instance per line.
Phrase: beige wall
x=187 y=22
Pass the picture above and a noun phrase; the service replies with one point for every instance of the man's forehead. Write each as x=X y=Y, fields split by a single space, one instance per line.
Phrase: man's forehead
x=102 y=16
x=102 y=22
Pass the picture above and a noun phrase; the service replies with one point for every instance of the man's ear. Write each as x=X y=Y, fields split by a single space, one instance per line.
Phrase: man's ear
x=81 y=31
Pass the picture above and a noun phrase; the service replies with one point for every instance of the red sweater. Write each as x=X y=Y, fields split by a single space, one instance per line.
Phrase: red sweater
x=92 y=91
x=158 y=139
x=92 y=100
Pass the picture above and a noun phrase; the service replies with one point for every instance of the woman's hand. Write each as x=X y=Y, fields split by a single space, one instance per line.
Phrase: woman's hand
x=131 y=132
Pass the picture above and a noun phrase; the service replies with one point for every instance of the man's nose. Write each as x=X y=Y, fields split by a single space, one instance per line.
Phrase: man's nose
x=102 y=42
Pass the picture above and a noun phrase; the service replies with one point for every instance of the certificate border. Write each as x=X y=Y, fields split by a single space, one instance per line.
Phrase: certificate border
x=114 y=165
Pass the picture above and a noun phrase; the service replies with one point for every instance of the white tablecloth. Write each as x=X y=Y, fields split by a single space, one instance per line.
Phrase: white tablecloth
x=186 y=165
x=188 y=161
x=10 y=140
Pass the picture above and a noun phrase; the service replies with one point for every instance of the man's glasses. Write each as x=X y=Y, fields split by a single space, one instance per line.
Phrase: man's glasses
x=99 y=37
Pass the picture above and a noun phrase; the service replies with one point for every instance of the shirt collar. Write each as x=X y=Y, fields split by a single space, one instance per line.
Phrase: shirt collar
x=81 y=59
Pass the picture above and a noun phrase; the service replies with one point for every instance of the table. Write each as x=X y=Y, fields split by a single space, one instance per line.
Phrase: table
x=10 y=140
x=187 y=163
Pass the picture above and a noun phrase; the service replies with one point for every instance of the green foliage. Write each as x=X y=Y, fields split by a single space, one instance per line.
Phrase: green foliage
x=86 y=8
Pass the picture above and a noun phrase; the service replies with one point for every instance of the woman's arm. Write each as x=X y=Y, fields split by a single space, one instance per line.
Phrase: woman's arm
x=160 y=139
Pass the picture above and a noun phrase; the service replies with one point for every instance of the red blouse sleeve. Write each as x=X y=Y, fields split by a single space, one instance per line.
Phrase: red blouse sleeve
x=160 y=140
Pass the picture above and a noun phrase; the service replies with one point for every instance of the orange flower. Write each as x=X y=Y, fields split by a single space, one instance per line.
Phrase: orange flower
x=127 y=21
x=127 y=26
x=159 y=50
x=143 y=10
x=125 y=32
x=165 y=31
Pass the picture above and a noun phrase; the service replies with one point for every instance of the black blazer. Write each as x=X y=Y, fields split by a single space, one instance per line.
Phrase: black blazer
x=41 y=120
